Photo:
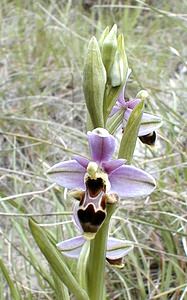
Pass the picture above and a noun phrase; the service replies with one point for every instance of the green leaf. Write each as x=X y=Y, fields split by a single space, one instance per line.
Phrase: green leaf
x=89 y=125
x=94 y=80
x=35 y=262
x=60 y=289
x=55 y=260
x=128 y=141
x=13 y=289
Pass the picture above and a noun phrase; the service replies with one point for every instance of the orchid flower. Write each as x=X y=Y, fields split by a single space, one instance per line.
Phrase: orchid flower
x=149 y=122
x=100 y=180
x=115 y=250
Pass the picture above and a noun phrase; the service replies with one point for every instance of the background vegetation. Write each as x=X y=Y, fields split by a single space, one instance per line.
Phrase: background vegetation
x=42 y=121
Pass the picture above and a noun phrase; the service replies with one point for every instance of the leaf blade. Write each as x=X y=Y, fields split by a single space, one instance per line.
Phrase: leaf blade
x=57 y=264
x=128 y=141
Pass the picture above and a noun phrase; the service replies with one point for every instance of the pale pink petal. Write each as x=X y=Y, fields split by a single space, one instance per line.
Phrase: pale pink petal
x=149 y=123
x=127 y=114
x=121 y=96
x=83 y=161
x=114 y=110
x=102 y=144
x=117 y=248
x=128 y=181
x=71 y=247
x=132 y=103
x=110 y=166
x=75 y=217
x=69 y=174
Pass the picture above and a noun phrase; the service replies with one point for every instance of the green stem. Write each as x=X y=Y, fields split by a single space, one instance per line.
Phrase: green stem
x=82 y=265
x=96 y=260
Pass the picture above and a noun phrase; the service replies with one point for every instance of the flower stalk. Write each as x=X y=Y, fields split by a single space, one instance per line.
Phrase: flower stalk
x=82 y=265
x=99 y=181
x=96 y=261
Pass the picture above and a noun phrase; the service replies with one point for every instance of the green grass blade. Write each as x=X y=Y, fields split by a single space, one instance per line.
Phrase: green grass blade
x=13 y=289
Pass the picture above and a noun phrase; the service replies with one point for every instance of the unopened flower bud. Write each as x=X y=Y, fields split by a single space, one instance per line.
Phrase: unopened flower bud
x=103 y=36
x=94 y=80
x=109 y=48
x=116 y=73
x=143 y=94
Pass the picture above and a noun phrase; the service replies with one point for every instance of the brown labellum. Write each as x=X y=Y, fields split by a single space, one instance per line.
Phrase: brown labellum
x=116 y=262
x=148 y=139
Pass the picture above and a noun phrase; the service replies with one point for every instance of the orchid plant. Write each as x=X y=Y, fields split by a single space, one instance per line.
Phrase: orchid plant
x=98 y=182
